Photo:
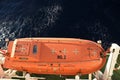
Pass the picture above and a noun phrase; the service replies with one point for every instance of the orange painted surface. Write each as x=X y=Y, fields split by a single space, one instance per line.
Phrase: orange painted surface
x=64 y=56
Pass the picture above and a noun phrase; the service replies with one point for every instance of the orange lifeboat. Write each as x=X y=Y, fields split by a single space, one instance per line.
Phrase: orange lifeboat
x=64 y=56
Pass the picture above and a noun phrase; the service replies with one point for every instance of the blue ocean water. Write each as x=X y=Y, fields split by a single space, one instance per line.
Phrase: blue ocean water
x=88 y=19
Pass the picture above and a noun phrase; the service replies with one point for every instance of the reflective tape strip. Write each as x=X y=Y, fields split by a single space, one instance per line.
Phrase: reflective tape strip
x=13 y=48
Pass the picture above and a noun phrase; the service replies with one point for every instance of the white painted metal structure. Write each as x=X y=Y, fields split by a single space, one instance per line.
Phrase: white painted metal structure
x=115 y=51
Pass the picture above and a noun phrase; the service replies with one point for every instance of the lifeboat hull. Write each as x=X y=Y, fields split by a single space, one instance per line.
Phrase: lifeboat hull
x=64 y=56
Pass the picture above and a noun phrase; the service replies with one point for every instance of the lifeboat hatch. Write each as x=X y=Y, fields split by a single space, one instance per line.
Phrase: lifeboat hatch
x=22 y=49
x=93 y=53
